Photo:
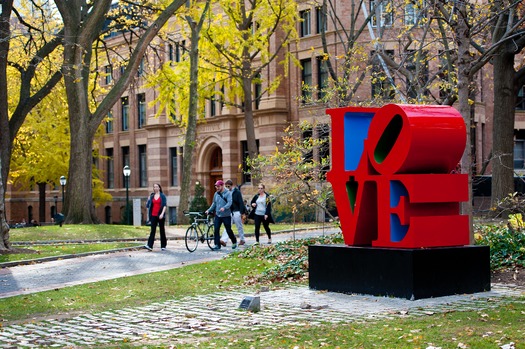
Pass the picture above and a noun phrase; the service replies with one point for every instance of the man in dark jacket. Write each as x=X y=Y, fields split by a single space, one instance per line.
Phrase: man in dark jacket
x=238 y=209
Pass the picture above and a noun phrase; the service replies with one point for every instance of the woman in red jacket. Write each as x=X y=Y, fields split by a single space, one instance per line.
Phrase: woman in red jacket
x=157 y=215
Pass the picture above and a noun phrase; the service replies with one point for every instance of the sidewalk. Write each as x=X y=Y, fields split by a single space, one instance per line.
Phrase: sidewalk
x=63 y=272
x=190 y=319
x=183 y=320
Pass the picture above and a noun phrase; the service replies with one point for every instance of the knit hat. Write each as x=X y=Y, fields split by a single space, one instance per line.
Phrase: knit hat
x=219 y=182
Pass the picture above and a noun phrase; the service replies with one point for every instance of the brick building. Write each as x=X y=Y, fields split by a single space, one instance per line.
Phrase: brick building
x=152 y=146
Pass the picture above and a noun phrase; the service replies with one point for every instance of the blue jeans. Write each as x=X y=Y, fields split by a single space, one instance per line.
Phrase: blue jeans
x=217 y=229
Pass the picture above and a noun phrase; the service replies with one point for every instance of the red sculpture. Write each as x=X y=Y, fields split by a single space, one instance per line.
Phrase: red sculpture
x=392 y=175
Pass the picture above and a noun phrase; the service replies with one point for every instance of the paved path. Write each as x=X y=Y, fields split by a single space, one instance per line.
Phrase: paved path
x=178 y=320
x=25 y=279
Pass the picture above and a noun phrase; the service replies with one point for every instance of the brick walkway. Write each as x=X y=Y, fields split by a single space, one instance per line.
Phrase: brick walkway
x=179 y=319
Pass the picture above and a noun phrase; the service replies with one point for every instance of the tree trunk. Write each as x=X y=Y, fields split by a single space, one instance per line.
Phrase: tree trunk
x=78 y=202
x=191 y=129
x=28 y=97
x=248 y=108
x=81 y=29
x=503 y=126
x=4 y=227
x=464 y=81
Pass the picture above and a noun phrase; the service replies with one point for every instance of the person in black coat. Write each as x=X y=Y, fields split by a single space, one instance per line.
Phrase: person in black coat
x=262 y=212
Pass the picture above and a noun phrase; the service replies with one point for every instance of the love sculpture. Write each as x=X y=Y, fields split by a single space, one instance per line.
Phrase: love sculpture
x=398 y=200
x=392 y=175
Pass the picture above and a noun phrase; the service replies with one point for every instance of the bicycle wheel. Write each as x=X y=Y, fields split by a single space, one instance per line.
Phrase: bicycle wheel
x=191 y=239
x=209 y=237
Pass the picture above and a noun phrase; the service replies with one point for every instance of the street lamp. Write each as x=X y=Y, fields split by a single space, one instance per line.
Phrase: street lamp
x=56 y=206
x=63 y=182
x=127 y=172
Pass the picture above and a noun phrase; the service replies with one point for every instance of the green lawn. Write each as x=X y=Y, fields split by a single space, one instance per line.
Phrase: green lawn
x=34 y=252
x=491 y=328
x=78 y=232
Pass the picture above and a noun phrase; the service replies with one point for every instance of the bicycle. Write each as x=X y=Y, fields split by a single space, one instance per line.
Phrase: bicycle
x=201 y=229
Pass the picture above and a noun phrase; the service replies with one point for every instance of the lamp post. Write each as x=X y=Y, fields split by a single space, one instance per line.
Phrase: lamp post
x=56 y=206
x=127 y=172
x=63 y=182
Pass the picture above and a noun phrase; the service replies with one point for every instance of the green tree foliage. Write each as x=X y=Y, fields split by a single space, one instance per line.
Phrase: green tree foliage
x=30 y=40
x=85 y=24
x=243 y=38
x=199 y=202
x=298 y=168
x=41 y=148
x=194 y=17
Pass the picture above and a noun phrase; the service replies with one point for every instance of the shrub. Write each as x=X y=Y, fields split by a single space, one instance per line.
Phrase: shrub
x=507 y=243
x=291 y=258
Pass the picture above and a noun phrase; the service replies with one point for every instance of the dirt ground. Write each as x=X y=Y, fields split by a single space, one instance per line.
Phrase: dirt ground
x=509 y=276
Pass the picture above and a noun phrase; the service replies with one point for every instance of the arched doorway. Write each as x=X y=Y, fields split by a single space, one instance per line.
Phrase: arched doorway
x=215 y=167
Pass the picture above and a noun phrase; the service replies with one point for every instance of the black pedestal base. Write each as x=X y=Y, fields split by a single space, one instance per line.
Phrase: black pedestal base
x=402 y=273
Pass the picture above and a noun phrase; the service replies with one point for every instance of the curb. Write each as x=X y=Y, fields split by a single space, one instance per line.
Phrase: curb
x=67 y=256
x=94 y=253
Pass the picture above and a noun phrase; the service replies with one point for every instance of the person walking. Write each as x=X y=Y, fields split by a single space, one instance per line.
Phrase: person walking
x=262 y=212
x=156 y=206
x=221 y=206
x=238 y=209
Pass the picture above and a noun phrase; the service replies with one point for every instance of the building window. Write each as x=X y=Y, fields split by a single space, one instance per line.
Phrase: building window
x=520 y=100
x=143 y=167
x=321 y=150
x=125 y=162
x=140 y=70
x=172 y=215
x=257 y=91
x=417 y=64
x=171 y=52
x=320 y=14
x=221 y=98
x=107 y=214
x=446 y=76
x=109 y=122
x=125 y=113
x=306 y=137
x=413 y=13
x=179 y=50
x=306 y=80
x=382 y=85
x=322 y=77
x=246 y=176
x=306 y=26
x=141 y=109
x=110 y=168
x=383 y=11
x=174 y=167
x=519 y=154
x=108 y=74
x=213 y=107
x=323 y=134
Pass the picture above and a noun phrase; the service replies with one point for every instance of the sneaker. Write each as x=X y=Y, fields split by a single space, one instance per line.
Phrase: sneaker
x=216 y=248
x=256 y=243
x=234 y=246
x=269 y=241
x=163 y=249
x=148 y=248
x=223 y=243
x=242 y=242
